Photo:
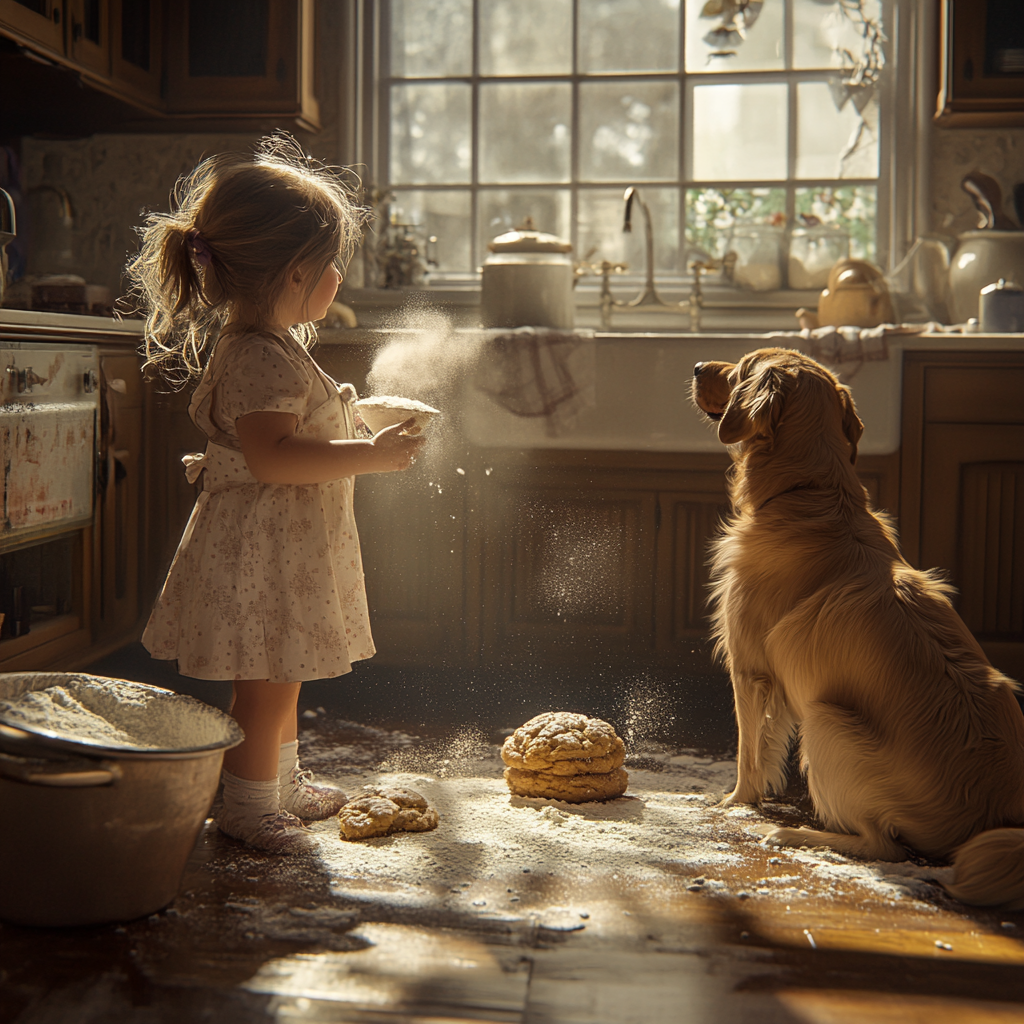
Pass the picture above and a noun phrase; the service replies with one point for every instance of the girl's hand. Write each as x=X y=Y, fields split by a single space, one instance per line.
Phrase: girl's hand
x=396 y=449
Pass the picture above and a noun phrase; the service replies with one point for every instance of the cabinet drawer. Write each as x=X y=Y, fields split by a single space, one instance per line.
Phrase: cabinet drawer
x=979 y=394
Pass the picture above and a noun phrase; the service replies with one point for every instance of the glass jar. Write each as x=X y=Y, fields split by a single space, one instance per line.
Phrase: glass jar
x=758 y=249
x=813 y=252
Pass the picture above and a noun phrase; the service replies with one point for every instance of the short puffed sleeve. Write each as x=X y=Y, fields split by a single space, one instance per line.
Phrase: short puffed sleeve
x=260 y=375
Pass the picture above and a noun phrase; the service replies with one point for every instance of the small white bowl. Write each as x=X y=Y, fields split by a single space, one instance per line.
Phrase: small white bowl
x=382 y=411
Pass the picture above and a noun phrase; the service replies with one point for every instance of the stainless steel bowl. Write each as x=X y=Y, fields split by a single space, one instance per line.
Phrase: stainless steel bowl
x=98 y=835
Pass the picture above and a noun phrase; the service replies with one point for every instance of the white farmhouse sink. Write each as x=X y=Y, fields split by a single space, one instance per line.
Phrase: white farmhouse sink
x=642 y=397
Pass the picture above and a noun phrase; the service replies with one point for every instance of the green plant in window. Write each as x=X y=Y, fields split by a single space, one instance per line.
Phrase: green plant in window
x=711 y=214
x=849 y=207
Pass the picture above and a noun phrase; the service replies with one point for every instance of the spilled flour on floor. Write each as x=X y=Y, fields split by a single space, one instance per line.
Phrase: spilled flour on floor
x=499 y=857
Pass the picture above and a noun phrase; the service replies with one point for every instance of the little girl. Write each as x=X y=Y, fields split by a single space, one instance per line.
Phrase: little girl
x=266 y=587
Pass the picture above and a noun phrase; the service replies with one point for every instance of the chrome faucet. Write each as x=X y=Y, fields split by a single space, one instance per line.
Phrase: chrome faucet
x=649 y=294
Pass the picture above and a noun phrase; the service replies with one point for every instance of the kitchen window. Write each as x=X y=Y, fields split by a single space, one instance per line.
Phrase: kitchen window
x=761 y=128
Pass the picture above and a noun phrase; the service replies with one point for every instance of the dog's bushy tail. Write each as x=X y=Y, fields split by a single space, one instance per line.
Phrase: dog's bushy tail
x=988 y=870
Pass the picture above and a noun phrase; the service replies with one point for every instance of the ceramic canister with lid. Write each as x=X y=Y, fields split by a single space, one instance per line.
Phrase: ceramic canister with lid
x=1001 y=308
x=527 y=281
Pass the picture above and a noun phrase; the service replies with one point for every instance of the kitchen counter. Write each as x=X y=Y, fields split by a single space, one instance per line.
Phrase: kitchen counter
x=41 y=325
x=637 y=384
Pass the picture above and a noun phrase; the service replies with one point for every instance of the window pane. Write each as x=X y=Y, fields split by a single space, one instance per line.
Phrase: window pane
x=712 y=214
x=445 y=215
x=629 y=131
x=823 y=32
x=850 y=207
x=524 y=131
x=430 y=134
x=739 y=132
x=601 y=213
x=525 y=37
x=431 y=38
x=629 y=35
x=834 y=143
x=726 y=42
x=502 y=210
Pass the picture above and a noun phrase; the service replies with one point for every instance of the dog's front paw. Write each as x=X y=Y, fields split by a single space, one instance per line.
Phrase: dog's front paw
x=737 y=797
x=786 y=837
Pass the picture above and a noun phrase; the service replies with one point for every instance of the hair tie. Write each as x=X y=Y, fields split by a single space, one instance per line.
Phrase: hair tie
x=200 y=249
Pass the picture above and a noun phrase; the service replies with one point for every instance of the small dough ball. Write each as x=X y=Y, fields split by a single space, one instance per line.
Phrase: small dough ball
x=383 y=810
x=585 y=745
x=397 y=795
x=367 y=816
x=414 y=815
x=412 y=819
x=573 y=789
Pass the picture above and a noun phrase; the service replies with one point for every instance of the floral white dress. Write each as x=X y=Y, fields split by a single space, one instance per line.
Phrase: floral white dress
x=267 y=582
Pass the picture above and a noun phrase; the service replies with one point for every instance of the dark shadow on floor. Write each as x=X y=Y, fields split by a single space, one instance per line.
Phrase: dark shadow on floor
x=680 y=708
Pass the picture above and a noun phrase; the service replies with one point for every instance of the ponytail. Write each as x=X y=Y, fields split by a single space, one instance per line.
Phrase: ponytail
x=236 y=229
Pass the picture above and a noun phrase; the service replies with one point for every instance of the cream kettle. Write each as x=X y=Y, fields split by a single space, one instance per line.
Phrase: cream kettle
x=527 y=281
x=981 y=258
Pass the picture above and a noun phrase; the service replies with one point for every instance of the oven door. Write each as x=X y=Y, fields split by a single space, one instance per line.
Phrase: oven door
x=47 y=439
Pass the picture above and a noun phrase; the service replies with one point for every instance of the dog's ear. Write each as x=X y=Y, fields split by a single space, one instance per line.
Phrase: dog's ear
x=736 y=425
x=755 y=407
x=853 y=428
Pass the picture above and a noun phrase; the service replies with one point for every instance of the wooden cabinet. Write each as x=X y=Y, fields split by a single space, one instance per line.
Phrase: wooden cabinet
x=136 y=51
x=119 y=498
x=247 y=58
x=38 y=24
x=568 y=564
x=963 y=488
x=76 y=32
x=87 y=34
x=175 y=63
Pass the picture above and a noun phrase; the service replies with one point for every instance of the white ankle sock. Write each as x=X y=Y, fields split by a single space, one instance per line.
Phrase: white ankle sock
x=289 y=760
x=247 y=800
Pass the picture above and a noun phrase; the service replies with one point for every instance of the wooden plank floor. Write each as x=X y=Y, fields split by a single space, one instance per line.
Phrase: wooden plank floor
x=769 y=936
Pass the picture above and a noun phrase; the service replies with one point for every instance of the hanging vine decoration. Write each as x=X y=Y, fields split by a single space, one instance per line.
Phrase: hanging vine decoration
x=861 y=69
x=737 y=17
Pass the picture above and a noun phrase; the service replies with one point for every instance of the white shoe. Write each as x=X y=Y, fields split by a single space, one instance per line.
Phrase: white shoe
x=309 y=800
x=276 y=833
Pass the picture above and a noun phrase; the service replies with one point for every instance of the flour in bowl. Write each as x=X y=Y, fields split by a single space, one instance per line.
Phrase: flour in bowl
x=117 y=714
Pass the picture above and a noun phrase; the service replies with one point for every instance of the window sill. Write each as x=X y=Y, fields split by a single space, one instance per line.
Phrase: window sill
x=725 y=308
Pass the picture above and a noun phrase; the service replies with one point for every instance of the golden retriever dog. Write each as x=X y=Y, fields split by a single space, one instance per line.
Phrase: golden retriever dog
x=909 y=738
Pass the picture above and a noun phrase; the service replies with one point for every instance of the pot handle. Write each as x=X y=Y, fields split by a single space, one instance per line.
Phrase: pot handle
x=71 y=772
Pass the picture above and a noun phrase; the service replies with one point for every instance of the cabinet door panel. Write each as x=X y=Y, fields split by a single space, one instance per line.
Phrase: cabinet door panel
x=88 y=32
x=135 y=57
x=976 y=533
x=688 y=522
x=412 y=542
x=569 y=573
x=242 y=57
x=118 y=537
x=38 y=22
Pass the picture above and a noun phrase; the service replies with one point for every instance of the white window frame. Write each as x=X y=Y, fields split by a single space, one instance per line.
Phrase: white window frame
x=906 y=96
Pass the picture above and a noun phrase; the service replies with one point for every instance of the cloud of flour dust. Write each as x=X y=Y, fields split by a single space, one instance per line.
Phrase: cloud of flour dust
x=645 y=715
x=458 y=754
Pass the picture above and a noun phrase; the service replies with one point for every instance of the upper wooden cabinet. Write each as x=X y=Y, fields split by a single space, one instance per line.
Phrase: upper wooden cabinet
x=179 y=61
x=136 y=50
x=38 y=24
x=242 y=57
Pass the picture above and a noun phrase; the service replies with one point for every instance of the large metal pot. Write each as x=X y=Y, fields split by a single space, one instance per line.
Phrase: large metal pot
x=100 y=834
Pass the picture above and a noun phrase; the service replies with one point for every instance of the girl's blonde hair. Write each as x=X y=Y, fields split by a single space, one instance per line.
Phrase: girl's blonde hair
x=237 y=229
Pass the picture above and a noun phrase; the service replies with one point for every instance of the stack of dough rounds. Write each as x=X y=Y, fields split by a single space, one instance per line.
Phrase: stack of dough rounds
x=386 y=809
x=560 y=755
